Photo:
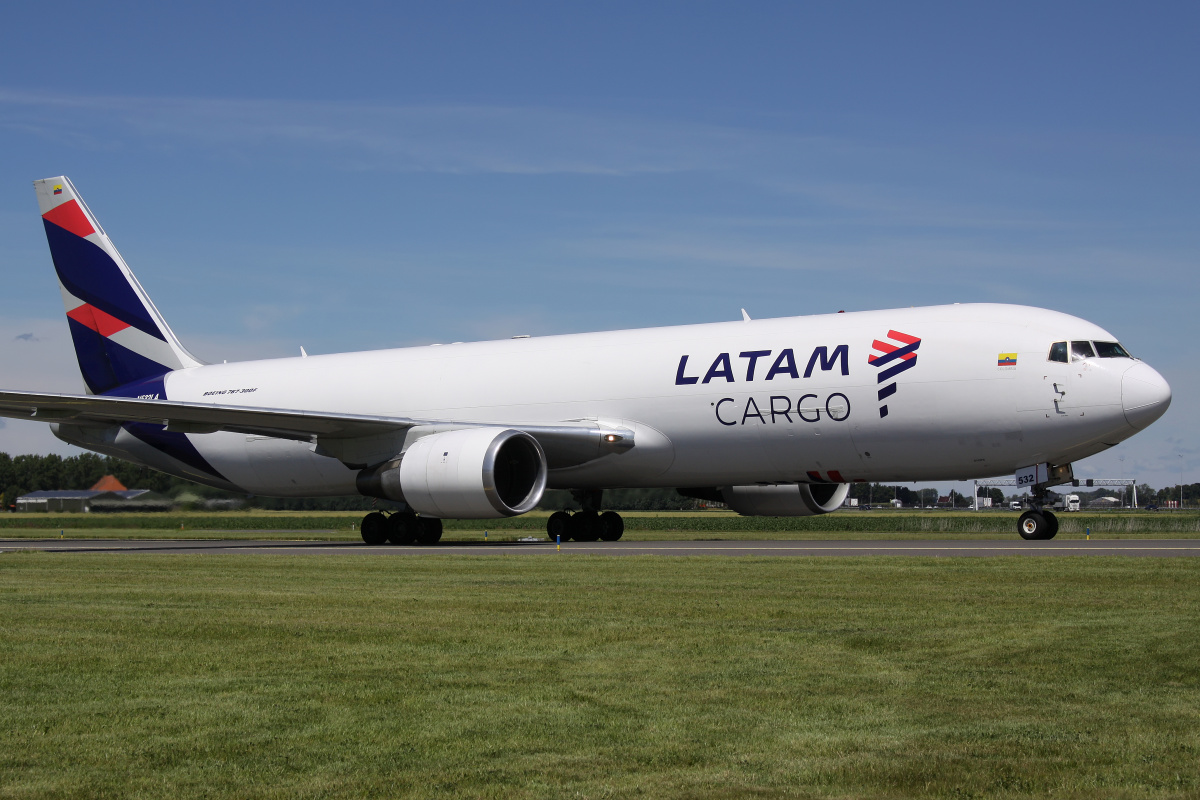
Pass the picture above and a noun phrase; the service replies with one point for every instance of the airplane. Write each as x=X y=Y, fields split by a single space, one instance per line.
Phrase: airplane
x=773 y=417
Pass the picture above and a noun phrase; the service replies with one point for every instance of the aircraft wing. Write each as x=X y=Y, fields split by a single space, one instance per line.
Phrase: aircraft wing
x=345 y=436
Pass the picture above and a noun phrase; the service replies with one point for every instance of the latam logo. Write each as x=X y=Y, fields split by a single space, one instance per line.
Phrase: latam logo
x=785 y=364
x=900 y=356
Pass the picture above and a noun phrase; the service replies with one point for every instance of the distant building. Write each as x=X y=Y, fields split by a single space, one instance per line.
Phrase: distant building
x=108 y=494
x=109 y=483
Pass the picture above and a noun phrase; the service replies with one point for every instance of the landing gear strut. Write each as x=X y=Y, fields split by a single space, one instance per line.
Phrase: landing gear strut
x=402 y=527
x=1038 y=523
x=587 y=524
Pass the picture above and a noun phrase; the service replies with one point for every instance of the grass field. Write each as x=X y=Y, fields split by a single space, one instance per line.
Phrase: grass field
x=639 y=525
x=583 y=676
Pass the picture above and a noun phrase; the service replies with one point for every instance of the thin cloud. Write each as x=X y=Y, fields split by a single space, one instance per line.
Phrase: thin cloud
x=846 y=181
x=958 y=258
x=455 y=139
x=25 y=337
x=430 y=138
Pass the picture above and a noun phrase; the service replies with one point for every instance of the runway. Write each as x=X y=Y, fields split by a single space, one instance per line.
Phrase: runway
x=1159 y=548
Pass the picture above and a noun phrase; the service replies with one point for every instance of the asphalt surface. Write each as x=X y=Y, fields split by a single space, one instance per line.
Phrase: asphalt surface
x=1161 y=548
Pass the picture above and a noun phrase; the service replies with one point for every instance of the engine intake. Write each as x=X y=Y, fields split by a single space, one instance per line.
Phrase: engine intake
x=780 y=500
x=471 y=473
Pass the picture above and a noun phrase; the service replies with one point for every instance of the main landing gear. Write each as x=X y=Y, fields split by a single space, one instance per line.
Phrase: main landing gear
x=588 y=524
x=401 y=527
x=1037 y=523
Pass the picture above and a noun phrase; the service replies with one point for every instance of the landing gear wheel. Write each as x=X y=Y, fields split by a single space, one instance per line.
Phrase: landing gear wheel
x=402 y=528
x=1051 y=523
x=374 y=528
x=559 y=525
x=1033 y=525
x=429 y=530
x=585 y=526
x=611 y=526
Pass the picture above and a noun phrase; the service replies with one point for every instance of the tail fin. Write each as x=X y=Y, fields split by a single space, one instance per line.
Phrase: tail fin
x=119 y=336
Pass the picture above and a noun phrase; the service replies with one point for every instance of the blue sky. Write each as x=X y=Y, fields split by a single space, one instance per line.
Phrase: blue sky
x=354 y=175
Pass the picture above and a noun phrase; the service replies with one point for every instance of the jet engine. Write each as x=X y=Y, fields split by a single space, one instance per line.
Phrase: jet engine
x=779 y=500
x=470 y=473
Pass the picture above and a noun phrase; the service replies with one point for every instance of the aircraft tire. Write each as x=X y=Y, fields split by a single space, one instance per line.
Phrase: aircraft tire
x=374 y=528
x=611 y=526
x=585 y=526
x=402 y=528
x=559 y=526
x=1051 y=524
x=1033 y=526
x=429 y=530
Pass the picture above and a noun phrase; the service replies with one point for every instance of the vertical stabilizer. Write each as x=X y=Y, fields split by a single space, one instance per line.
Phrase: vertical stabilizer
x=119 y=336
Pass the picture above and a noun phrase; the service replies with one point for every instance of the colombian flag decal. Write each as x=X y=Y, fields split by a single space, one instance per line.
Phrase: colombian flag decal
x=1006 y=360
x=58 y=189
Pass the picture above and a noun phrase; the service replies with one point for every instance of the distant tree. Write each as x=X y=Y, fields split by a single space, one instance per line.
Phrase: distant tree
x=6 y=469
x=10 y=497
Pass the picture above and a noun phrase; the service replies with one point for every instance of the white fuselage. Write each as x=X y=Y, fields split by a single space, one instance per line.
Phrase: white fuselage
x=753 y=416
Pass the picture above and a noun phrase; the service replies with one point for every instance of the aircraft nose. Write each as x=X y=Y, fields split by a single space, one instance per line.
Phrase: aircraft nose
x=1145 y=395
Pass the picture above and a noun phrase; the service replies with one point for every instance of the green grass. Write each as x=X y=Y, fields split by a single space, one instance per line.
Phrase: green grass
x=494 y=536
x=582 y=676
x=639 y=525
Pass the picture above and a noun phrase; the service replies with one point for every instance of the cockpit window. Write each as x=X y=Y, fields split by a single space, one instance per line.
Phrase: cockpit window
x=1111 y=350
x=1082 y=350
x=1058 y=352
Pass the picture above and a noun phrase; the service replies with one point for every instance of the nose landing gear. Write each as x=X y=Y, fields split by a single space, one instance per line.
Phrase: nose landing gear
x=1037 y=523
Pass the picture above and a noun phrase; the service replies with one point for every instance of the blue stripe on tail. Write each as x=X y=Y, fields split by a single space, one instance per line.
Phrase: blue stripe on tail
x=106 y=365
x=90 y=274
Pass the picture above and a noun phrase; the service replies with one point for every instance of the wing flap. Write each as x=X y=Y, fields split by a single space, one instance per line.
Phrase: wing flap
x=343 y=436
x=195 y=417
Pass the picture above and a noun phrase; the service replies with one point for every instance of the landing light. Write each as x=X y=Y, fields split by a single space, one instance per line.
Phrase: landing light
x=612 y=437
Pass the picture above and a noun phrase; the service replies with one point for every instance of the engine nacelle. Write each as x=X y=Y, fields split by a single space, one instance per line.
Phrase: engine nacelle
x=471 y=473
x=796 y=500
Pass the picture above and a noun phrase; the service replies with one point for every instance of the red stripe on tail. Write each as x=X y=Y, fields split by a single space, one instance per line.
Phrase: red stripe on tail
x=70 y=217
x=102 y=323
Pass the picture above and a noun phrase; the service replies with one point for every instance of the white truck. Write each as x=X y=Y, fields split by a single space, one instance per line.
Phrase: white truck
x=1068 y=502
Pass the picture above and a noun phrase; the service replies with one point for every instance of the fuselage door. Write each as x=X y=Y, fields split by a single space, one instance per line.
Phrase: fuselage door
x=1047 y=387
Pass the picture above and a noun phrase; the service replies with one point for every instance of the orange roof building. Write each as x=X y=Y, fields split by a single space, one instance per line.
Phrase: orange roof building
x=108 y=483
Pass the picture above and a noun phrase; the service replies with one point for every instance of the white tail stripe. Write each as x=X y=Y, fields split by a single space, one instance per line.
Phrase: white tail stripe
x=145 y=345
x=70 y=301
